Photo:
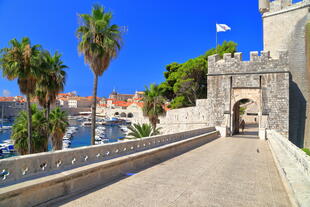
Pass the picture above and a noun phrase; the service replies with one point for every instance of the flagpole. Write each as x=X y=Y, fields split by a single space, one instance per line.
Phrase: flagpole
x=216 y=37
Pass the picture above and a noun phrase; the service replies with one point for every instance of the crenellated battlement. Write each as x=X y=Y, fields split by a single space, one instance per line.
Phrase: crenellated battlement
x=233 y=63
x=269 y=7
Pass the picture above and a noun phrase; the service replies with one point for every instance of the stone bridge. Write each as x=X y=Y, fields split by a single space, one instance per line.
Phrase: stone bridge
x=191 y=168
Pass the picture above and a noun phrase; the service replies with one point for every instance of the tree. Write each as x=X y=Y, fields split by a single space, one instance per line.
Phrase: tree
x=143 y=130
x=100 y=42
x=154 y=104
x=52 y=81
x=21 y=61
x=187 y=82
x=171 y=78
x=39 y=128
x=58 y=123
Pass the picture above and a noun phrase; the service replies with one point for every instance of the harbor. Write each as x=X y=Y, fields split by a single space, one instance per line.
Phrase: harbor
x=77 y=134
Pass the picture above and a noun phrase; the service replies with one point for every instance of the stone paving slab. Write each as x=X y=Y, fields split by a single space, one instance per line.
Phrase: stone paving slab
x=237 y=171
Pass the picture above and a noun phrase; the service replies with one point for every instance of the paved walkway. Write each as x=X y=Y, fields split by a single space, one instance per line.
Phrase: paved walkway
x=237 y=171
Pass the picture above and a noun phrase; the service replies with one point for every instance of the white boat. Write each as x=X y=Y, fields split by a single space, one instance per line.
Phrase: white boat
x=65 y=138
x=8 y=141
x=7 y=148
x=71 y=130
x=68 y=142
x=4 y=150
x=98 y=138
x=99 y=142
x=86 y=123
x=72 y=117
x=124 y=128
x=65 y=146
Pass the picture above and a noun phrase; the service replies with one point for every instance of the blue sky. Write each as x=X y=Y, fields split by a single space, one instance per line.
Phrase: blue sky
x=159 y=32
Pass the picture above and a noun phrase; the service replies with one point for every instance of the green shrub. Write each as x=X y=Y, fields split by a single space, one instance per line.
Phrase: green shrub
x=242 y=110
x=306 y=150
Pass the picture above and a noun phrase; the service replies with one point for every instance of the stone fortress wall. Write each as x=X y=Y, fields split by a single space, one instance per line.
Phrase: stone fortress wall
x=228 y=82
x=262 y=79
x=132 y=113
x=273 y=84
x=284 y=26
x=178 y=120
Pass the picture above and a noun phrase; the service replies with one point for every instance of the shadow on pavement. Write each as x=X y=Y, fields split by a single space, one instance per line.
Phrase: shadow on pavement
x=250 y=132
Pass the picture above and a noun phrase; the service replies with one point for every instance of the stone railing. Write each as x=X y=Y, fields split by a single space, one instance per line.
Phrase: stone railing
x=17 y=169
x=294 y=167
x=300 y=157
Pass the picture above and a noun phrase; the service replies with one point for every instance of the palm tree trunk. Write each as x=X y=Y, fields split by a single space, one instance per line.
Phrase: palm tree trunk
x=47 y=129
x=153 y=122
x=45 y=110
x=30 y=150
x=93 y=118
x=48 y=109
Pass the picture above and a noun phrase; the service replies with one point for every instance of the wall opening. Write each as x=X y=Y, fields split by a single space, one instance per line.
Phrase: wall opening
x=245 y=118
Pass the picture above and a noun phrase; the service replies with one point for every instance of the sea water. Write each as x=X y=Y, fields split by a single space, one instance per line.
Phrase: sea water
x=80 y=138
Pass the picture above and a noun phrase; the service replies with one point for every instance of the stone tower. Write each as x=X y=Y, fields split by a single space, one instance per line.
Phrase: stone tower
x=286 y=27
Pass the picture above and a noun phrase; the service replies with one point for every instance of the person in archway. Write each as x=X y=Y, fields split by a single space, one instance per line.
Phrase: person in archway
x=242 y=125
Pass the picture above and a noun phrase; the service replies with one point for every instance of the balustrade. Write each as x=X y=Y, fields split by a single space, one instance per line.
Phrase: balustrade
x=22 y=167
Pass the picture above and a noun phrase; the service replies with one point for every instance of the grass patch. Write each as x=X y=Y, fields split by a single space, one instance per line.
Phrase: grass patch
x=306 y=150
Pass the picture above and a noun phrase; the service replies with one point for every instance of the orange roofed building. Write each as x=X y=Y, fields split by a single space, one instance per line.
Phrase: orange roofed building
x=74 y=104
x=125 y=106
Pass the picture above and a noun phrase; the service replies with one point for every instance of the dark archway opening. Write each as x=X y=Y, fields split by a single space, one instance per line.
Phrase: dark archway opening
x=129 y=115
x=123 y=114
x=245 y=117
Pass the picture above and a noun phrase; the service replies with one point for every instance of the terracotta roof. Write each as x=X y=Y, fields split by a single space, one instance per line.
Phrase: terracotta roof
x=121 y=103
x=140 y=104
x=19 y=99
x=131 y=95
x=6 y=98
x=166 y=108
x=126 y=95
x=70 y=94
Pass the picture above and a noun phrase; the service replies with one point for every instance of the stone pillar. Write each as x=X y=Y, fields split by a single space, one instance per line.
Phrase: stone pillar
x=262 y=125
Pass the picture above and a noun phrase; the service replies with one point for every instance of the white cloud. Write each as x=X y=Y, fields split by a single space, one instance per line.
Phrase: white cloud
x=6 y=92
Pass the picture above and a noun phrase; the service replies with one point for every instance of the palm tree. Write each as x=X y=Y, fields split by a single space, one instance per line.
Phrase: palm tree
x=100 y=42
x=21 y=61
x=52 y=81
x=58 y=123
x=153 y=104
x=144 y=130
x=39 y=128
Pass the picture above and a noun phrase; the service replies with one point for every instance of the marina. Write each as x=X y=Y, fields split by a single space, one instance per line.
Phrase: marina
x=77 y=135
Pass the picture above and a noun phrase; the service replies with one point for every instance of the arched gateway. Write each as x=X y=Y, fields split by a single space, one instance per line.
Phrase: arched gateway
x=241 y=98
x=262 y=81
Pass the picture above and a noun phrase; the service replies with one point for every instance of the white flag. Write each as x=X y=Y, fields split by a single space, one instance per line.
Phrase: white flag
x=222 y=27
